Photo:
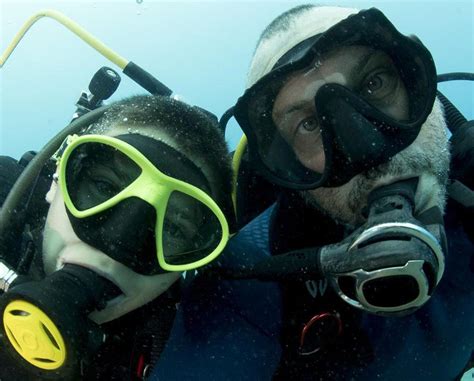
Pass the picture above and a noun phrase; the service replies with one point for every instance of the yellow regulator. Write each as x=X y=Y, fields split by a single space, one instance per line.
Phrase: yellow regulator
x=34 y=335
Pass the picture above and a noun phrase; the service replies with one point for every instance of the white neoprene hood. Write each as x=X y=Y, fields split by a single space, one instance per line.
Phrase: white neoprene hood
x=298 y=28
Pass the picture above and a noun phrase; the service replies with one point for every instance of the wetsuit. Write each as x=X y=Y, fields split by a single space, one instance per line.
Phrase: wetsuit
x=233 y=330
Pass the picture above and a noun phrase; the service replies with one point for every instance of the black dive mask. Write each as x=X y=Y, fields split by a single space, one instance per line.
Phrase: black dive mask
x=354 y=130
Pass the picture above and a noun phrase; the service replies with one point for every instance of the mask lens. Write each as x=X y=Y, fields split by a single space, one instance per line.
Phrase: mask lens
x=191 y=231
x=287 y=125
x=96 y=172
x=278 y=147
x=391 y=291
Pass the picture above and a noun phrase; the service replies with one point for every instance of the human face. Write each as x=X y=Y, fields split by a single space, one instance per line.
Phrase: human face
x=97 y=173
x=61 y=246
x=58 y=233
x=182 y=234
x=368 y=72
x=128 y=192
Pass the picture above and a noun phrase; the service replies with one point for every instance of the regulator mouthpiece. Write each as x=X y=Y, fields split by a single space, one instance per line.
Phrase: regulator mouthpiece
x=45 y=323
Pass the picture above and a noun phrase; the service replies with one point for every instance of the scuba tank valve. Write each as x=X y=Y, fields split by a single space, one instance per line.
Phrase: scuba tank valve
x=102 y=85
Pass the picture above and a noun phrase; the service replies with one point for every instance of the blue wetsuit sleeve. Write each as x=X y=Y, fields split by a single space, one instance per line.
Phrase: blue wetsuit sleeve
x=225 y=330
x=216 y=345
x=230 y=330
x=436 y=342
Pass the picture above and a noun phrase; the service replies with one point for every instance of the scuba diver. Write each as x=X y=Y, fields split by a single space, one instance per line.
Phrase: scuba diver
x=370 y=237
x=139 y=194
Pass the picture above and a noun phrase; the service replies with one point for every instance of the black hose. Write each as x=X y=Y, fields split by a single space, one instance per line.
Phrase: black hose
x=11 y=207
x=146 y=80
x=225 y=119
x=298 y=265
x=454 y=118
x=455 y=77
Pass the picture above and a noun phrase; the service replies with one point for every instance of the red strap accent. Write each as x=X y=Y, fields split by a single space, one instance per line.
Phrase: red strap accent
x=317 y=318
x=140 y=366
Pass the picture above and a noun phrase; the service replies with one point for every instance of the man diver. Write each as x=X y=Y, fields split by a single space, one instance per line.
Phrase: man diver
x=140 y=196
x=341 y=113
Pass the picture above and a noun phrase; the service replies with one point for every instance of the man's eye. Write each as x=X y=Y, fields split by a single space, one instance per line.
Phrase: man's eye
x=379 y=85
x=374 y=84
x=104 y=187
x=174 y=230
x=309 y=125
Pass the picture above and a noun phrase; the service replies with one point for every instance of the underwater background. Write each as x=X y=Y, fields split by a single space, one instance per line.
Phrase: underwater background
x=201 y=50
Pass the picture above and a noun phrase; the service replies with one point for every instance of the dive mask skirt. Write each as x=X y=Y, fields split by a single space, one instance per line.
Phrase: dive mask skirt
x=356 y=134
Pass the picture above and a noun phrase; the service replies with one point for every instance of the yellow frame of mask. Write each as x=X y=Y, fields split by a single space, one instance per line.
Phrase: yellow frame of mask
x=152 y=186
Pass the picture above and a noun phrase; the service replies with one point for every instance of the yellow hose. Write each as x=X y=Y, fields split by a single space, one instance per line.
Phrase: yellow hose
x=73 y=27
x=236 y=159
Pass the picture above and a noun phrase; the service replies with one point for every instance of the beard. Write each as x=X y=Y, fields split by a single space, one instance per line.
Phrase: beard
x=427 y=158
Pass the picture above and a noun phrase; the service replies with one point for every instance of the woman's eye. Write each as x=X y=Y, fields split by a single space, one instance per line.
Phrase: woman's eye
x=307 y=126
x=174 y=231
x=98 y=185
x=105 y=187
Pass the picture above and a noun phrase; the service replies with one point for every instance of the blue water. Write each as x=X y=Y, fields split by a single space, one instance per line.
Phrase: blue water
x=200 y=49
x=468 y=375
